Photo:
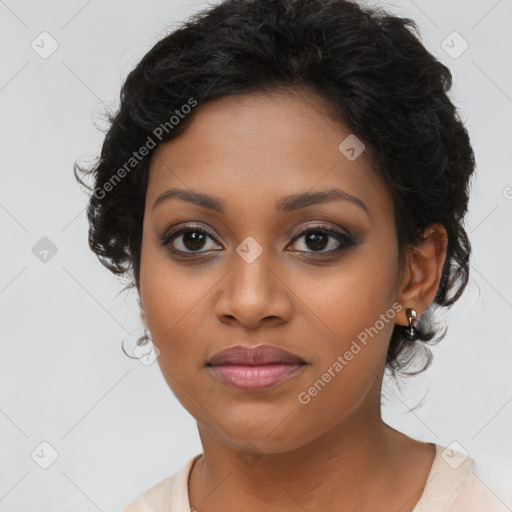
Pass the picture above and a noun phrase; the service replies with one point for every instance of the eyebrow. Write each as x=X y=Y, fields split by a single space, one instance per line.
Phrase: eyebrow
x=285 y=204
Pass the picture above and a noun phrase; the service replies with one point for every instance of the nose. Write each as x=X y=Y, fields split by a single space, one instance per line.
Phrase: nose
x=253 y=292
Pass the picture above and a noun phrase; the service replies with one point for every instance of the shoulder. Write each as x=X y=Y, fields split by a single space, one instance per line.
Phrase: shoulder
x=475 y=496
x=156 y=498
x=454 y=486
x=168 y=495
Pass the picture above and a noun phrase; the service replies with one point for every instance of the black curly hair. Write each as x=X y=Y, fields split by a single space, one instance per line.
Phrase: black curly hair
x=372 y=71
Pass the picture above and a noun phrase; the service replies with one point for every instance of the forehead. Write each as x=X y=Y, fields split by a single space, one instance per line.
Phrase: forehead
x=255 y=148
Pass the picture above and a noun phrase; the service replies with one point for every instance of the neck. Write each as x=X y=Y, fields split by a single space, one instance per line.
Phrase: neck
x=354 y=465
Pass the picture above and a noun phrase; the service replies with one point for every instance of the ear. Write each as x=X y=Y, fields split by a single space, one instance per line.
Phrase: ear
x=142 y=314
x=422 y=272
x=139 y=302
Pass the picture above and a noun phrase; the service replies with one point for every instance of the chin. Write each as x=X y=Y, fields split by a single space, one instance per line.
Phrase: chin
x=265 y=434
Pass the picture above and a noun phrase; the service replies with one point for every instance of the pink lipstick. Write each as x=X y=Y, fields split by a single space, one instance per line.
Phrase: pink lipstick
x=255 y=368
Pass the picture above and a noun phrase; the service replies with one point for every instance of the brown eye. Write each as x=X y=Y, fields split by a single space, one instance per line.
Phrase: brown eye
x=316 y=241
x=322 y=240
x=190 y=239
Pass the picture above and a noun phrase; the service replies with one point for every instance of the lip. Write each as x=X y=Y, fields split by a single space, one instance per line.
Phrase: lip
x=255 y=368
x=253 y=356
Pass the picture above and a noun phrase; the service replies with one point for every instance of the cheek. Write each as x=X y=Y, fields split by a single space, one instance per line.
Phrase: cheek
x=342 y=302
x=174 y=298
x=349 y=318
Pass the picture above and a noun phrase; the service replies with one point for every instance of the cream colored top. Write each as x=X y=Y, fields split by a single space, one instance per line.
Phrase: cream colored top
x=452 y=486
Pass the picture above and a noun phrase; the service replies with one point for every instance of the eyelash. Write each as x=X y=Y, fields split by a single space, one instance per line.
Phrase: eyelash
x=346 y=241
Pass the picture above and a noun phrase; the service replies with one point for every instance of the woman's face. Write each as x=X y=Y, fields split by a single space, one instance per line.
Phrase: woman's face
x=244 y=274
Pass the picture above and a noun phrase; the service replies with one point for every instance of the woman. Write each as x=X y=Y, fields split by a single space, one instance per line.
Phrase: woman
x=286 y=183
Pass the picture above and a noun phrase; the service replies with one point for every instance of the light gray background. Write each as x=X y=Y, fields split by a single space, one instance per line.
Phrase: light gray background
x=116 y=426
